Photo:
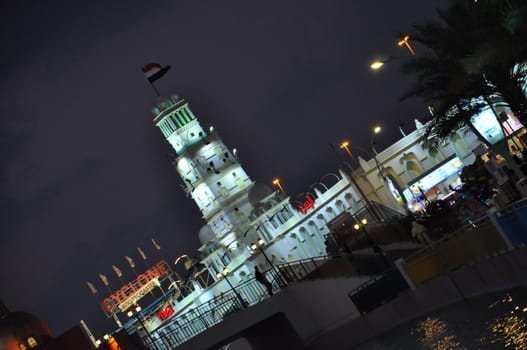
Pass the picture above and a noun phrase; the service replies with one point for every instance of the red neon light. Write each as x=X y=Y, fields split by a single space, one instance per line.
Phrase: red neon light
x=165 y=313
x=307 y=204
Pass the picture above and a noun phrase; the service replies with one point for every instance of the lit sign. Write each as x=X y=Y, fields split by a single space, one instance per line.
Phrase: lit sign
x=307 y=204
x=135 y=290
x=487 y=125
x=165 y=312
x=437 y=176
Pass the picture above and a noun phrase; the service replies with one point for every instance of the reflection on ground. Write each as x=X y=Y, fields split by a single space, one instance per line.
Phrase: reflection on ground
x=494 y=321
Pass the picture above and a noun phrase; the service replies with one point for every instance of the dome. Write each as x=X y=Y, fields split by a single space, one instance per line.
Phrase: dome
x=258 y=192
x=22 y=325
x=206 y=234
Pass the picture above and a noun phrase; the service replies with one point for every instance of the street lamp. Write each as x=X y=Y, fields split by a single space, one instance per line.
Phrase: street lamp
x=221 y=275
x=376 y=130
x=345 y=145
x=361 y=225
x=405 y=41
x=377 y=64
x=277 y=183
x=130 y=314
x=258 y=246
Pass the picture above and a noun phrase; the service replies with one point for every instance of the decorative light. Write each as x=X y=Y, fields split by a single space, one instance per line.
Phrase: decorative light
x=129 y=313
x=137 y=308
x=364 y=221
x=261 y=242
x=356 y=227
x=106 y=337
x=377 y=129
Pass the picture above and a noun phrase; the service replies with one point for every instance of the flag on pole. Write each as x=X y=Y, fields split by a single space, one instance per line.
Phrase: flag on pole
x=157 y=246
x=143 y=255
x=154 y=71
x=130 y=261
x=92 y=288
x=104 y=279
x=117 y=271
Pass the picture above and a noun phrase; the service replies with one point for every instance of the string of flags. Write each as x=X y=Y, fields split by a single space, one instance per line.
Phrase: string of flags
x=118 y=271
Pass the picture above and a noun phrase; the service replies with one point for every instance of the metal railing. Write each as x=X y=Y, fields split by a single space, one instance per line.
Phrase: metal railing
x=460 y=248
x=200 y=318
x=298 y=270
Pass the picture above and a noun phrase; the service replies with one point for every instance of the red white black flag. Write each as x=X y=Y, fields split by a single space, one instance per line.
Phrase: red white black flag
x=154 y=71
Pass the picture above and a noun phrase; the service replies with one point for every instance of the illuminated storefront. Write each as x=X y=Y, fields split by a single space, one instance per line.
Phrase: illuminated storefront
x=434 y=184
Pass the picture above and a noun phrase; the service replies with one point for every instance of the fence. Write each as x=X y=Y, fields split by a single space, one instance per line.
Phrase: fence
x=460 y=248
x=200 y=318
x=298 y=270
x=512 y=221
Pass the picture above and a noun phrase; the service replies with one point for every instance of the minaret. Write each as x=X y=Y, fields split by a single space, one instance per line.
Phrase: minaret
x=212 y=175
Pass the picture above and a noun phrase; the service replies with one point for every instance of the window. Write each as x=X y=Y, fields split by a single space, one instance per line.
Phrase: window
x=32 y=342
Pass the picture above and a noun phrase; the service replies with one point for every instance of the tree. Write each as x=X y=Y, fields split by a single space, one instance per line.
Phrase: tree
x=475 y=58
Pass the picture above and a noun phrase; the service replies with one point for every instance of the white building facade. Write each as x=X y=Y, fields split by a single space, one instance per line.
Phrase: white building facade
x=239 y=212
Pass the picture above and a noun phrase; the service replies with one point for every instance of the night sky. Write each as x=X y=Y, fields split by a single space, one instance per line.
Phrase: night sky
x=85 y=177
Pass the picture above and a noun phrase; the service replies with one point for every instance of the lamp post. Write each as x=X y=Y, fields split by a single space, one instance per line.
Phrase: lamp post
x=258 y=246
x=361 y=226
x=345 y=145
x=224 y=274
x=405 y=41
x=130 y=314
x=278 y=184
x=376 y=129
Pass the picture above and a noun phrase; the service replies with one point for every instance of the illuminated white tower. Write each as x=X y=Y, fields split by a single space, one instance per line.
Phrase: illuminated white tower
x=213 y=177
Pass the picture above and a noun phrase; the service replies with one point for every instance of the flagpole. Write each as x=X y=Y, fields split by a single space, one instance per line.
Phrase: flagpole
x=155 y=89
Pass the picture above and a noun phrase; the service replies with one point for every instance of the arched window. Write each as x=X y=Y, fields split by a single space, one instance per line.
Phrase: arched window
x=435 y=155
x=413 y=169
x=459 y=145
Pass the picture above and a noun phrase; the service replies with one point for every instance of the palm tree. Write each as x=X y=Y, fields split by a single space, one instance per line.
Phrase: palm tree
x=476 y=57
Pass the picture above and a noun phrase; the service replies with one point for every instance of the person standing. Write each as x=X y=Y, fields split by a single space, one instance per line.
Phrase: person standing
x=260 y=277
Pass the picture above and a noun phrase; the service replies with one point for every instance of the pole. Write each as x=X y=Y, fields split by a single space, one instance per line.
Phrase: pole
x=153 y=87
x=243 y=303
x=272 y=266
x=148 y=335
x=369 y=206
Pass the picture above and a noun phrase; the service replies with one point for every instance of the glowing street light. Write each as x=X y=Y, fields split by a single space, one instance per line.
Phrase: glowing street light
x=345 y=145
x=404 y=41
x=376 y=129
x=277 y=183
x=376 y=65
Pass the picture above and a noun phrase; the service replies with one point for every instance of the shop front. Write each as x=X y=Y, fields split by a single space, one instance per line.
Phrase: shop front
x=433 y=185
